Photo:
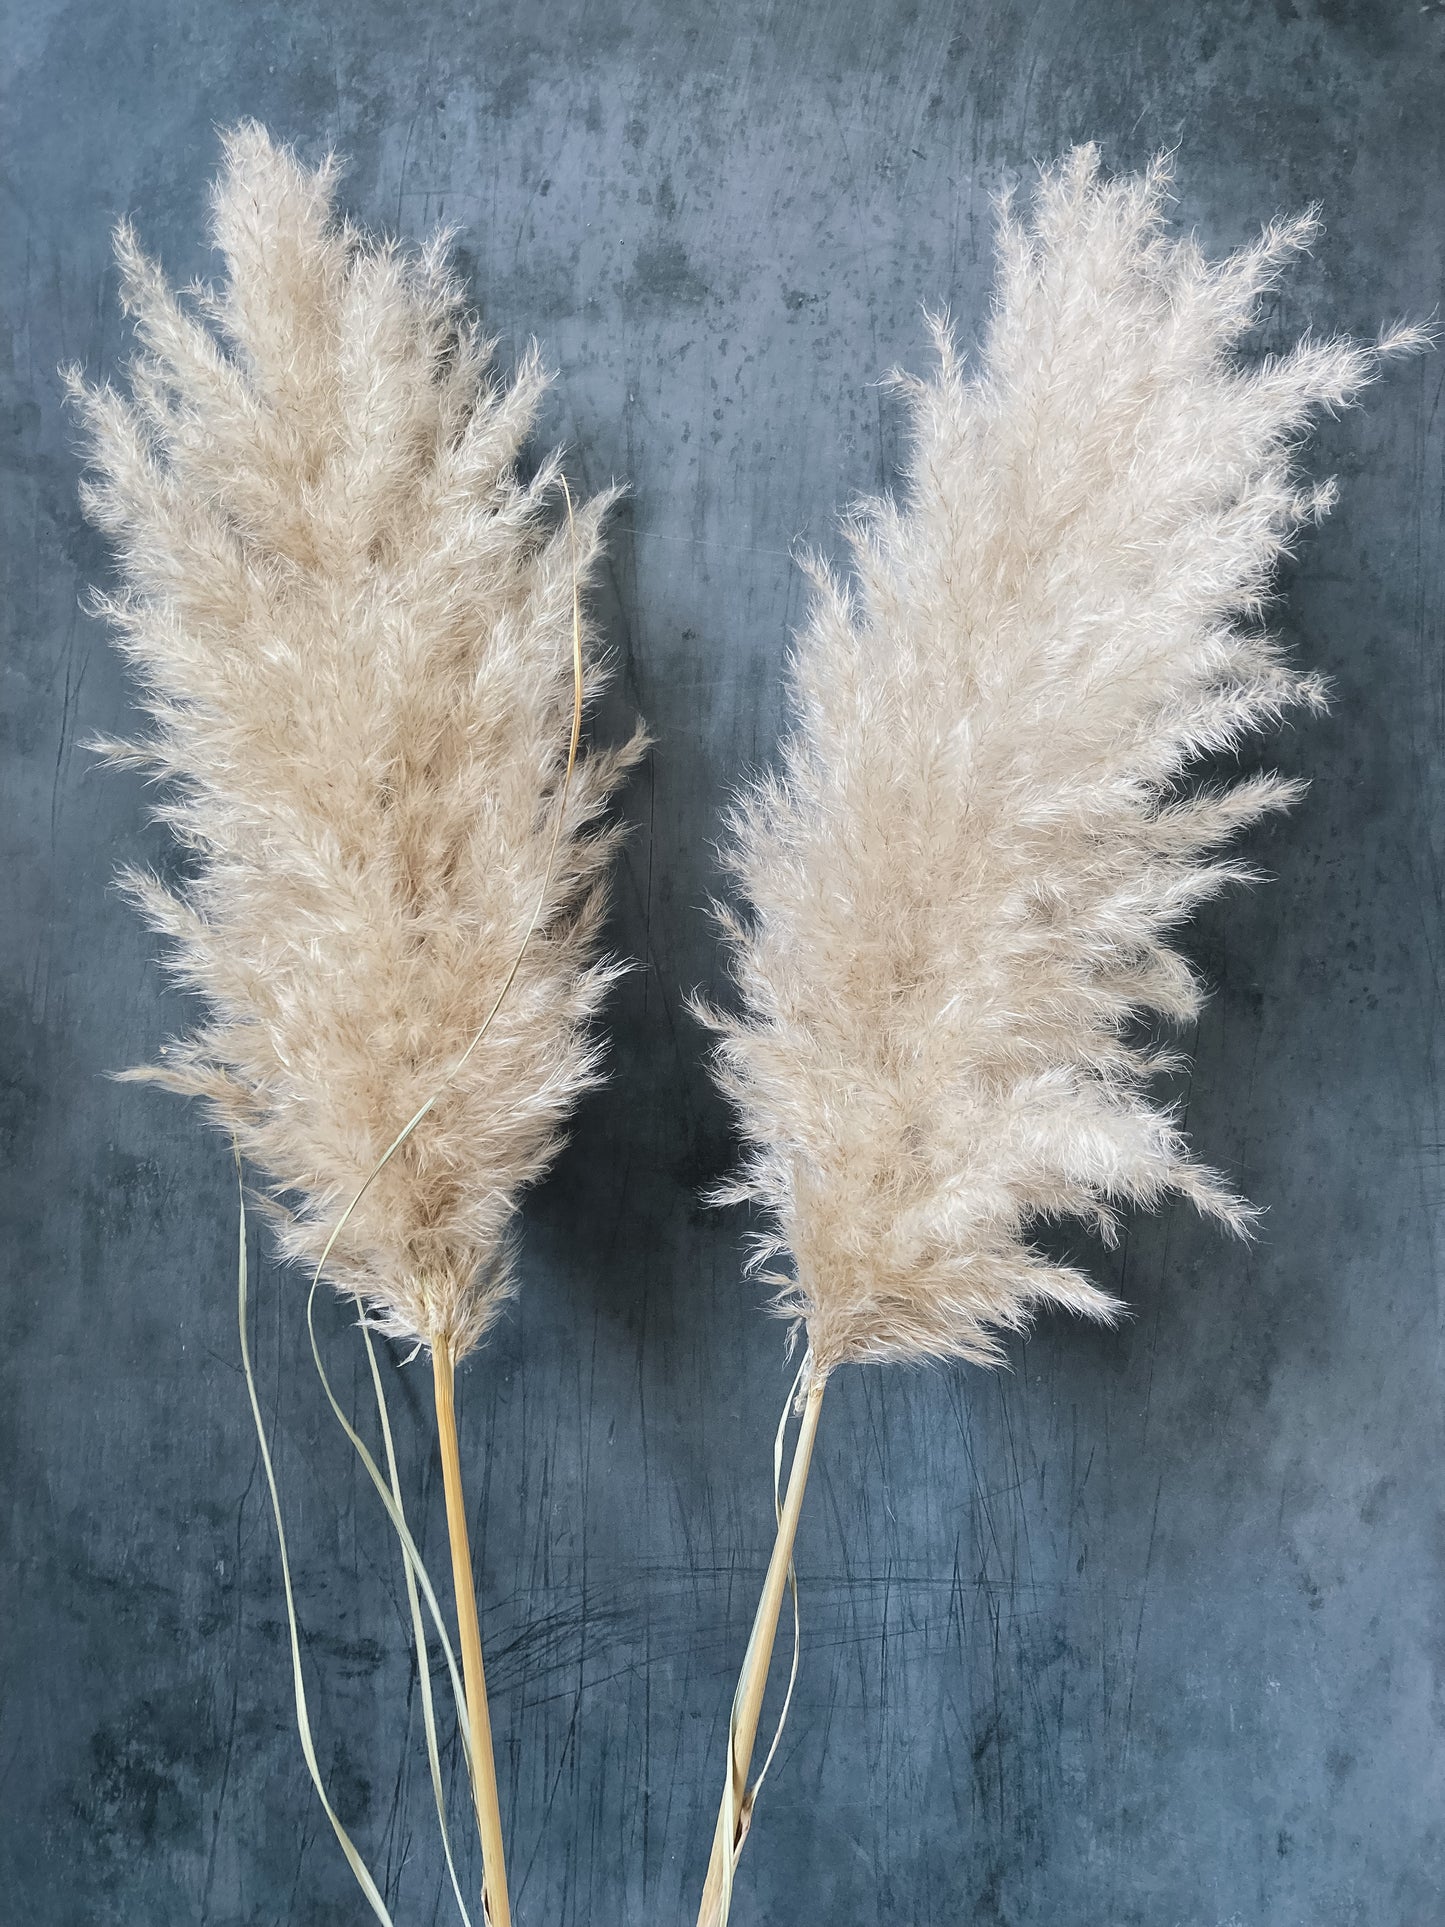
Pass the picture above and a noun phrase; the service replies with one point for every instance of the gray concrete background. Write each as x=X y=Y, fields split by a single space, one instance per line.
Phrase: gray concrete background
x=1147 y=1630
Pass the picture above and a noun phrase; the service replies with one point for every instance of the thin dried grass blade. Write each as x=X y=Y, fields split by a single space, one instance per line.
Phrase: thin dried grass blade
x=737 y=1817
x=394 y=1513
x=354 y=1860
x=736 y=1809
x=418 y=1629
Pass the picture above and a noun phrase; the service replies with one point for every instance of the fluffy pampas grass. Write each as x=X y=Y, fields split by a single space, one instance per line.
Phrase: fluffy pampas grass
x=961 y=889
x=354 y=630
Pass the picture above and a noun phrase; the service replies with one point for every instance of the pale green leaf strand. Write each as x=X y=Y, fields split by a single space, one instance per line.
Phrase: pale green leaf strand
x=398 y=1521
x=303 y=1718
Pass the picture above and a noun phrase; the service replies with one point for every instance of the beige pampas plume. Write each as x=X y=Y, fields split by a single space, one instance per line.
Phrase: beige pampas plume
x=354 y=629
x=960 y=890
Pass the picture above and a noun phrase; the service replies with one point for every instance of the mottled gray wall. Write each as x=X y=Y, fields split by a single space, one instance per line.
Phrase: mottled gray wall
x=1148 y=1630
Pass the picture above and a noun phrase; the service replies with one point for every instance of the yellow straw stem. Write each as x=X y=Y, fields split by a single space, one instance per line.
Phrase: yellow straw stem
x=484 y=1767
x=735 y=1812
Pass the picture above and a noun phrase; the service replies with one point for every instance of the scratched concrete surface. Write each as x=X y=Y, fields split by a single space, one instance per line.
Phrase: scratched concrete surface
x=1146 y=1631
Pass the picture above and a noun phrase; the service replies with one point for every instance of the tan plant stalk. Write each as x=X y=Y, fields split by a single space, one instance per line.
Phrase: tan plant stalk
x=959 y=891
x=355 y=631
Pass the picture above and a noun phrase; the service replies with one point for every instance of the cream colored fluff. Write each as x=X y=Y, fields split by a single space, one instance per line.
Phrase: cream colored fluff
x=959 y=891
x=352 y=625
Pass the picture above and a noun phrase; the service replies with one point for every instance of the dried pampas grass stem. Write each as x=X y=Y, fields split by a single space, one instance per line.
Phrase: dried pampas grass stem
x=740 y=1796
x=413 y=1572
x=418 y=1580
x=360 y=643
x=959 y=892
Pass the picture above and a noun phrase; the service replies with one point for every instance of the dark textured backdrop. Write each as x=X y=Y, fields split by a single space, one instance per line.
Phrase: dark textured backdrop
x=1149 y=1629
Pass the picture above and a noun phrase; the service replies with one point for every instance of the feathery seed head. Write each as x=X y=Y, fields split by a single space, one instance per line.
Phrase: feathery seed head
x=961 y=888
x=352 y=626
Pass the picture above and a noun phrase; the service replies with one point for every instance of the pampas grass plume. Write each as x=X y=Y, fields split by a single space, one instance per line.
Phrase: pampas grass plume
x=352 y=625
x=962 y=887
x=354 y=629
x=959 y=893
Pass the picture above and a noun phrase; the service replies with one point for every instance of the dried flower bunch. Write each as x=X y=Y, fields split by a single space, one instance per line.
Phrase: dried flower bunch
x=360 y=649
x=960 y=890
